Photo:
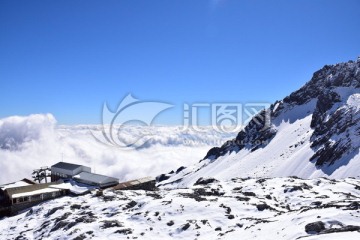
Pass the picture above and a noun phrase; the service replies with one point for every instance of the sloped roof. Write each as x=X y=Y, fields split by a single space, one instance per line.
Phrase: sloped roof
x=21 y=183
x=133 y=183
x=67 y=166
x=95 y=178
x=74 y=187
x=29 y=188
x=35 y=192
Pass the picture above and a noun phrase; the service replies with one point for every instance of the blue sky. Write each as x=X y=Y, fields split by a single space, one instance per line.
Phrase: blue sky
x=69 y=57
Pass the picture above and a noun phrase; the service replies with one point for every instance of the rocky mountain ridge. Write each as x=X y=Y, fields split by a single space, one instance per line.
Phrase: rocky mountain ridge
x=325 y=113
x=326 y=120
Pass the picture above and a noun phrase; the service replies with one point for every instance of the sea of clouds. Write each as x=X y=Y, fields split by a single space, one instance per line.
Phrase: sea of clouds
x=31 y=142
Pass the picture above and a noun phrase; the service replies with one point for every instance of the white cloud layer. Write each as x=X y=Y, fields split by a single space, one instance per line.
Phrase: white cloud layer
x=30 y=142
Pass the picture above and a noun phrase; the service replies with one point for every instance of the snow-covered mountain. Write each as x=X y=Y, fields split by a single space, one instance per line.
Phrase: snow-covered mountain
x=278 y=208
x=313 y=132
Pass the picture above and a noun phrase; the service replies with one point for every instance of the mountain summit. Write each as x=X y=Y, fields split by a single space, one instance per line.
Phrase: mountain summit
x=313 y=132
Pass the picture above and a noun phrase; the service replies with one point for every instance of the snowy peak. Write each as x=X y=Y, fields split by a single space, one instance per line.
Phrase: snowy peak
x=326 y=120
x=313 y=132
x=329 y=77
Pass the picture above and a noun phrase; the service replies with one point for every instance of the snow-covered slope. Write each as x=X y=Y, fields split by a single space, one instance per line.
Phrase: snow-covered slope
x=313 y=132
x=278 y=208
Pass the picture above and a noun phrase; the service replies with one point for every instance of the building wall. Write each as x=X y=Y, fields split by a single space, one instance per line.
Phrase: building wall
x=61 y=171
x=58 y=173
x=2 y=195
x=109 y=184
x=54 y=177
x=5 y=211
x=14 y=208
x=148 y=186
x=84 y=169
x=5 y=200
x=21 y=203
x=38 y=197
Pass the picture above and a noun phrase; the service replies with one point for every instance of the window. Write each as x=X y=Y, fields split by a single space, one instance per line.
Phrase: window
x=36 y=197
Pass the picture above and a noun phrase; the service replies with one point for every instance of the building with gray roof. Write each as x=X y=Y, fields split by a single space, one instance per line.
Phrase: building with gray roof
x=82 y=174
x=101 y=181
x=63 y=170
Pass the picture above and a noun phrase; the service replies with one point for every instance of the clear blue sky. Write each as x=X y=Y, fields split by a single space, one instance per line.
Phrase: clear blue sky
x=68 y=57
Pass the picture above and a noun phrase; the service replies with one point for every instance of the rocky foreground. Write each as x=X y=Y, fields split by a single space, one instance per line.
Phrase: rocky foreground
x=259 y=208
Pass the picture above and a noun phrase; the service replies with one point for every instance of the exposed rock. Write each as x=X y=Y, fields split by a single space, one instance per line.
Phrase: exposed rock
x=249 y=194
x=162 y=177
x=353 y=206
x=325 y=101
x=111 y=224
x=230 y=216
x=243 y=199
x=268 y=196
x=180 y=169
x=185 y=226
x=314 y=227
x=63 y=225
x=292 y=189
x=131 y=204
x=75 y=206
x=54 y=210
x=80 y=237
x=205 y=181
x=213 y=153
x=349 y=228
x=125 y=231
x=262 y=207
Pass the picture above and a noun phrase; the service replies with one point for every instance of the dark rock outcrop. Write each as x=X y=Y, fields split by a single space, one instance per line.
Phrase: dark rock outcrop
x=162 y=177
x=205 y=181
x=315 y=227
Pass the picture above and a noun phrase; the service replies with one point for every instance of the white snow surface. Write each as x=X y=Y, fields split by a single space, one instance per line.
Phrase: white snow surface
x=252 y=208
x=354 y=101
x=14 y=184
x=35 y=192
x=74 y=187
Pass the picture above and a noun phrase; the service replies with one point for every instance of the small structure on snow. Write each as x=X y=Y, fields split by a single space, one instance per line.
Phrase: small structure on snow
x=146 y=183
x=63 y=170
x=101 y=181
x=18 y=198
x=82 y=174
